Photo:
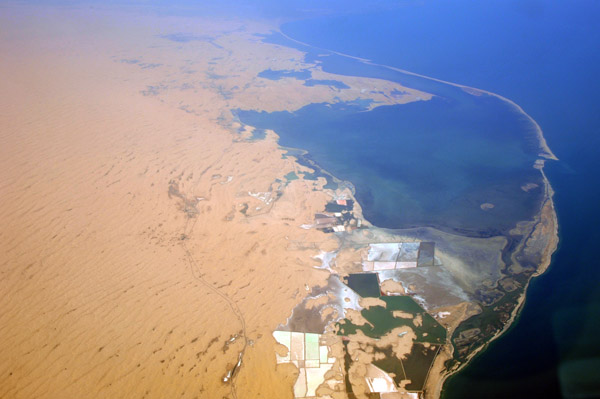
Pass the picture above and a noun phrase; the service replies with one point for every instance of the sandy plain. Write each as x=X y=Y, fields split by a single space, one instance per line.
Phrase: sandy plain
x=128 y=268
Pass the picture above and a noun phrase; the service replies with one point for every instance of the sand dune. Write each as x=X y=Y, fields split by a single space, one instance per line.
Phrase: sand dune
x=99 y=299
x=132 y=252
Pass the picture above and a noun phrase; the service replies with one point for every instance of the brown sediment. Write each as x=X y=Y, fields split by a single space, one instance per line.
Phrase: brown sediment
x=360 y=349
x=355 y=317
x=402 y=315
x=368 y=302
x=349 y=260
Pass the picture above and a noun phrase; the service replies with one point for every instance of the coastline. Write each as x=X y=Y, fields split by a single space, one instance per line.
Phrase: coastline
x=546 y=217
x=546 y=151
x=550 y=248
x=159 y=219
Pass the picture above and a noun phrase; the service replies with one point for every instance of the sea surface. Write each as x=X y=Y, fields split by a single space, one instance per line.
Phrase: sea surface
x=426 y=163
x=543 y=56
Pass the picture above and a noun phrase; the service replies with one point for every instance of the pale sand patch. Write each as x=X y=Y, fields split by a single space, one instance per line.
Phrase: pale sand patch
x=356 y=317
x=418 y=320
x=325 y=313
x=529 y=186
x=360 y=349
x=316 y=302
x=402 y=315
x=487 y=206
x=401 y=340
x=393 y=287
x=454 y=315
x=133 y=247
x=349 y=260
x=368 y=302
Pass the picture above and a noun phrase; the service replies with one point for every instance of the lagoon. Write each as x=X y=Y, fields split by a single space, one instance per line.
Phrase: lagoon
x=426 y=163
x=547 y=61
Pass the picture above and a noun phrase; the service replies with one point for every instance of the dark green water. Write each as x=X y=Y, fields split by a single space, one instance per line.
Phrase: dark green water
x=364 y=284
x=382 y=321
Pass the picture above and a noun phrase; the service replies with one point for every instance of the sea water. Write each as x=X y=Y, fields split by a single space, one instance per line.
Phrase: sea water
x=429 y=162
x=543 y=55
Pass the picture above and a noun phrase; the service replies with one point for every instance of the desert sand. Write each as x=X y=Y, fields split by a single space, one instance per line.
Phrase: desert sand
x=128 y=268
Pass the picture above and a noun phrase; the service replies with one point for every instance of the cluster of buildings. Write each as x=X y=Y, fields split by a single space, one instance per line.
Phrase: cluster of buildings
x=338 y=217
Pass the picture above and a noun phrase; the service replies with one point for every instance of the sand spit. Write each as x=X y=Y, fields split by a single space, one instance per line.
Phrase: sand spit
x=545 y=150
x=542 y=242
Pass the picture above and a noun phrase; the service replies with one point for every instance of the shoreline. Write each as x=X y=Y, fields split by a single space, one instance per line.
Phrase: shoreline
x=541 y=216
x=160 y=204
x=547 y=152
x=541 y=269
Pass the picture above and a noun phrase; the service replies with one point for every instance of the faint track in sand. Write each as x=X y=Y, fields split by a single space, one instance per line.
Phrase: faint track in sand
x=195 y=268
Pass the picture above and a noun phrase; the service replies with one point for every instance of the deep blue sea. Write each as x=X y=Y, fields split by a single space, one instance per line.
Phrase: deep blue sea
x=542 y=55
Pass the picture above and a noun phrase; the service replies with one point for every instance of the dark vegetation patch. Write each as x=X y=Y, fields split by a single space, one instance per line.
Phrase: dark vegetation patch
x=382 y=321
x=414 y=367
